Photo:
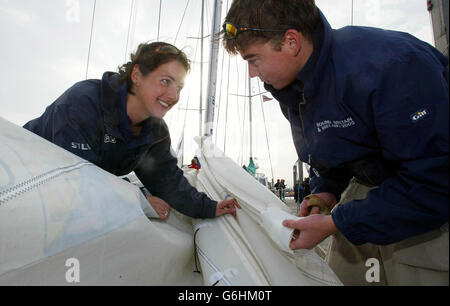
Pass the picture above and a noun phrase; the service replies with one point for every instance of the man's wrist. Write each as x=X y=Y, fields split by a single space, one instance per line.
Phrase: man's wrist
x=331 y=227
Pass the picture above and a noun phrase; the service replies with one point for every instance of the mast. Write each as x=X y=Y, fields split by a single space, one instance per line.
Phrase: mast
x=439 y=21
x=201 y=71
x=212 y=77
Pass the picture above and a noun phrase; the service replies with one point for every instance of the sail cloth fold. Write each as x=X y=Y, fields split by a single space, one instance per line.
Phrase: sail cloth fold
x=248 y=250
x=65 y=221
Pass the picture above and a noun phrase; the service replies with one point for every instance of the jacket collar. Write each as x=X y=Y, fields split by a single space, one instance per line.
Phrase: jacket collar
x=110 y=95
x=312 y=72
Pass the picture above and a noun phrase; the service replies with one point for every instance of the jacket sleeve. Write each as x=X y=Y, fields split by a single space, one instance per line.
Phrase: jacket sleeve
x=329 y=180
x=159 y=173
x=411 y=107
x=59 y=125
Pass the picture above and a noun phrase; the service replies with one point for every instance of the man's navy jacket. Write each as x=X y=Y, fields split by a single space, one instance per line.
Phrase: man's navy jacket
x=90 y=120
x=373 y=104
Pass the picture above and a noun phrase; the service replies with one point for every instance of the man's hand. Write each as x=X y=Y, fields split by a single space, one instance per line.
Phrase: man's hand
x=160 y=206
x=227 y=207
x=329 y=198
x=310 y=231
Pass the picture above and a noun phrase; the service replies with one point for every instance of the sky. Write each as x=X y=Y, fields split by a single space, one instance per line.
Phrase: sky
x=45 y=50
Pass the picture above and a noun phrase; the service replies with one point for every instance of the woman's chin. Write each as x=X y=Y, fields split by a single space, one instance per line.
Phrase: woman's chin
x=159 y=115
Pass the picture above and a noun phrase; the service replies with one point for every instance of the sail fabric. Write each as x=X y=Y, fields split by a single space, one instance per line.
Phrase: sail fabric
x=55 y=206
x=243 y=245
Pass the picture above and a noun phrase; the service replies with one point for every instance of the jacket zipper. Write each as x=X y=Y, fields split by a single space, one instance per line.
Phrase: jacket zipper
x=302 y=103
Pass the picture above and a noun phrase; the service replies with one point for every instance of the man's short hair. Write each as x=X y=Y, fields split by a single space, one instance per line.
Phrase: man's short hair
x=301 y=15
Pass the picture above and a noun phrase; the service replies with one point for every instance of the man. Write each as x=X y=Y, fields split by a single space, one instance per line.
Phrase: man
x=368 y=110
x=305 y=189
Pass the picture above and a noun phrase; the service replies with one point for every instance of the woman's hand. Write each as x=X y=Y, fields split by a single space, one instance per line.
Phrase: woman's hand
x=160 y=206
x=227 y=207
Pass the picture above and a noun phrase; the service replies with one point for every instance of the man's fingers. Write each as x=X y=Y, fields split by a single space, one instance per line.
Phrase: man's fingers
x=315 y=210
x=292 y=223
x=304 y=209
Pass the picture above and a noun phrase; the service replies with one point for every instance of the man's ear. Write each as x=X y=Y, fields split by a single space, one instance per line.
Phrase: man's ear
x=293 y=41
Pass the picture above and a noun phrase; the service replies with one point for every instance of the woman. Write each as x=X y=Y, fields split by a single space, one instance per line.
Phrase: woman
x=116 y=123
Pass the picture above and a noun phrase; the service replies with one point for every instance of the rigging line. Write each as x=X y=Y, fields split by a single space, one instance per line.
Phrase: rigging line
x=220 y=97
x=190 y=87
x=133 y=31
x=352 y=12
x=202 y=26
x=228 y=90
x=159 y=19
x=129 y=29
x=188 y=99
x=207 y=18
x=181 y=23
x=226 y=110
x=237 y=100
x=265 y=129
x=243 y=126
x=90 y=39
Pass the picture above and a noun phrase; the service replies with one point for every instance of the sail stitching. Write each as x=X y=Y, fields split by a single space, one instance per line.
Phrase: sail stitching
x=36 y=181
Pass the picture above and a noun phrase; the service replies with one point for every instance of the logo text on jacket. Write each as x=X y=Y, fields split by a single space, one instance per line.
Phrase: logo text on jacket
x=419 y=115
x=109 y=139
x=339 y=124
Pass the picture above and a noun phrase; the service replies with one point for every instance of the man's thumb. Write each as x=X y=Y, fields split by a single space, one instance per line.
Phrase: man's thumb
x=289 y=223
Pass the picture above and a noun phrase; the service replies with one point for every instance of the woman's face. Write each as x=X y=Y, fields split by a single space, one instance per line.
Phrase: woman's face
x=159 y=90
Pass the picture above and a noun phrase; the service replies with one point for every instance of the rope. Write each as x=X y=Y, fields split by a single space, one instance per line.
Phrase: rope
x=159 y=19
x=352 y=13
x=182 y=19
x=228 y=91
x=237 y=99
x=90 y=38
x=195 y=253
x=265 y=129
x=129 y=29
x=220 y=98
x=243 y=125
x=226 y=111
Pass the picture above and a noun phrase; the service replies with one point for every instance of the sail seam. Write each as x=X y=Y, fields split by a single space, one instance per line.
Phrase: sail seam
x=23 y=187
x=211 y=264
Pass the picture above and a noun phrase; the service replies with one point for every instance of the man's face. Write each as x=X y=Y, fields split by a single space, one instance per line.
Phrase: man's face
x=273 y=67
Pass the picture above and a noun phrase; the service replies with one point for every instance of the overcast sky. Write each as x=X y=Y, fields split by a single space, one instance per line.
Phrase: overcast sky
x=45 y=48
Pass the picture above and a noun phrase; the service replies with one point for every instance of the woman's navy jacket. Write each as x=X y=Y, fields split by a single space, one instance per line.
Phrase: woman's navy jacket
x=374 y=105
x=90 y=120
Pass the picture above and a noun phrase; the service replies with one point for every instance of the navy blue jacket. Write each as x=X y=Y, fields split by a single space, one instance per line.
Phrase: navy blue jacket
x=90 y=120
x=373 y=104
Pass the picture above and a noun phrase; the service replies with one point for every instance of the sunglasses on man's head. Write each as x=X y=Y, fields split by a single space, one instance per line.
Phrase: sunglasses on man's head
x=232 y=31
